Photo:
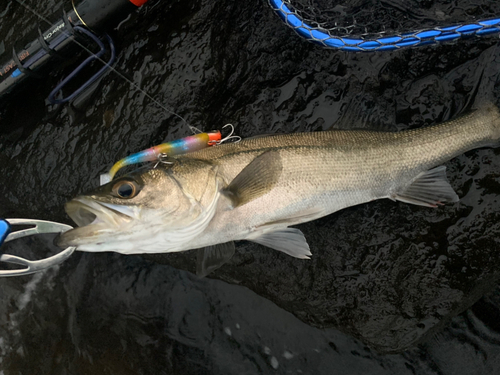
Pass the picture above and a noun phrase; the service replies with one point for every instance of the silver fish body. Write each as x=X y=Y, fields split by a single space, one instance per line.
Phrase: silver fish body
x=257 y=188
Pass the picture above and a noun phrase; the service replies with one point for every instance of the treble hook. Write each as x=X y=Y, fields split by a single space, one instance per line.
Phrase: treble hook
x=162 y=158
x=235 y=138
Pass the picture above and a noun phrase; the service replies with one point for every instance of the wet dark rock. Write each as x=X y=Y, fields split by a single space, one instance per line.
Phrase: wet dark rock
x=388 y=274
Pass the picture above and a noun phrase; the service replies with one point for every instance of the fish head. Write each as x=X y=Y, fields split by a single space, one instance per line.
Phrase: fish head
x=154 y=210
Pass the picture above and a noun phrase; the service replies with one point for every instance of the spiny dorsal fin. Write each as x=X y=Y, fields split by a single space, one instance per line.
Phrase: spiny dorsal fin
x=290 y=241
x=430 y=189
x=212 y=257
x=256 y=179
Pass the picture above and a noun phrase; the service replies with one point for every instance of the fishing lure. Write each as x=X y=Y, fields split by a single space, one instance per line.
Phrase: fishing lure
x=179 y=146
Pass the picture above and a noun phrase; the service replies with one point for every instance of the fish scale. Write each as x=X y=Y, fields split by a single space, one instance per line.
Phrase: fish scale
x=257 y=188
x=337 y=169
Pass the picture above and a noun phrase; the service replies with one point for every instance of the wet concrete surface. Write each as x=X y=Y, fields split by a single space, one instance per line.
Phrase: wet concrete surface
x=391 y=288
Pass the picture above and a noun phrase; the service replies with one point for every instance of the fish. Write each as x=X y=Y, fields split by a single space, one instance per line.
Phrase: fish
x=259 y=188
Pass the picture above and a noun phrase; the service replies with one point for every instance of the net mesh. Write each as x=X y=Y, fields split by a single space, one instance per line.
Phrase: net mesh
x=374 y=25
x=376 y=18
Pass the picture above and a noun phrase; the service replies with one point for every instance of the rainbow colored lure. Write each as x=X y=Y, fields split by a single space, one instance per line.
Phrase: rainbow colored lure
x=177 y=147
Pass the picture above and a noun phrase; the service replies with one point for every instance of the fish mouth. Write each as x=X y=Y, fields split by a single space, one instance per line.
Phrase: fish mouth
x=95 y=220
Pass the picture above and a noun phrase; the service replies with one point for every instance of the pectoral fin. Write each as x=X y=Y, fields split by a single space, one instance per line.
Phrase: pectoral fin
x=210 y=258
x=290 y=241
x=256 y=179
x=430 y=189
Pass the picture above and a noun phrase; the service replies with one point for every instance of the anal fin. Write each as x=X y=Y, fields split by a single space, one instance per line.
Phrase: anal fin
x=210 y=258
x=429 y=188
x=290 y=241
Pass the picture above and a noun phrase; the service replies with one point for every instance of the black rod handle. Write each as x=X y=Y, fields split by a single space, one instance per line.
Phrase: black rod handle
x=97 y=15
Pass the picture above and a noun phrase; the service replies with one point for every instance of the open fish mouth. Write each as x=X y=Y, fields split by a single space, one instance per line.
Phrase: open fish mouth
x=95 y=220
x=85 y=212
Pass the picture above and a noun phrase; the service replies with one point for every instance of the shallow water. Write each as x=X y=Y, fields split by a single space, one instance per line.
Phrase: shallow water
x=385 y=277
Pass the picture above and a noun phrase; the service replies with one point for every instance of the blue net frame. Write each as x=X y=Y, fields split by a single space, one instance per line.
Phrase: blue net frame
x=324 y=37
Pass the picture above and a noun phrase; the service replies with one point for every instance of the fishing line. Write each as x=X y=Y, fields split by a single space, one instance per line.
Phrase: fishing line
x=134 y=85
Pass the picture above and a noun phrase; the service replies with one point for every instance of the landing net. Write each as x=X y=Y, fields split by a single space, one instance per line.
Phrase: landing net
x=371 y=25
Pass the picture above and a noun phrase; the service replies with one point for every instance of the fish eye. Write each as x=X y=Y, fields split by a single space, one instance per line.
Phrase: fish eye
x=125 y=189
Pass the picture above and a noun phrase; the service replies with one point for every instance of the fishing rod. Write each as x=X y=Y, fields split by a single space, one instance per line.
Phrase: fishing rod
x=83 y=23
x=89 y=17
